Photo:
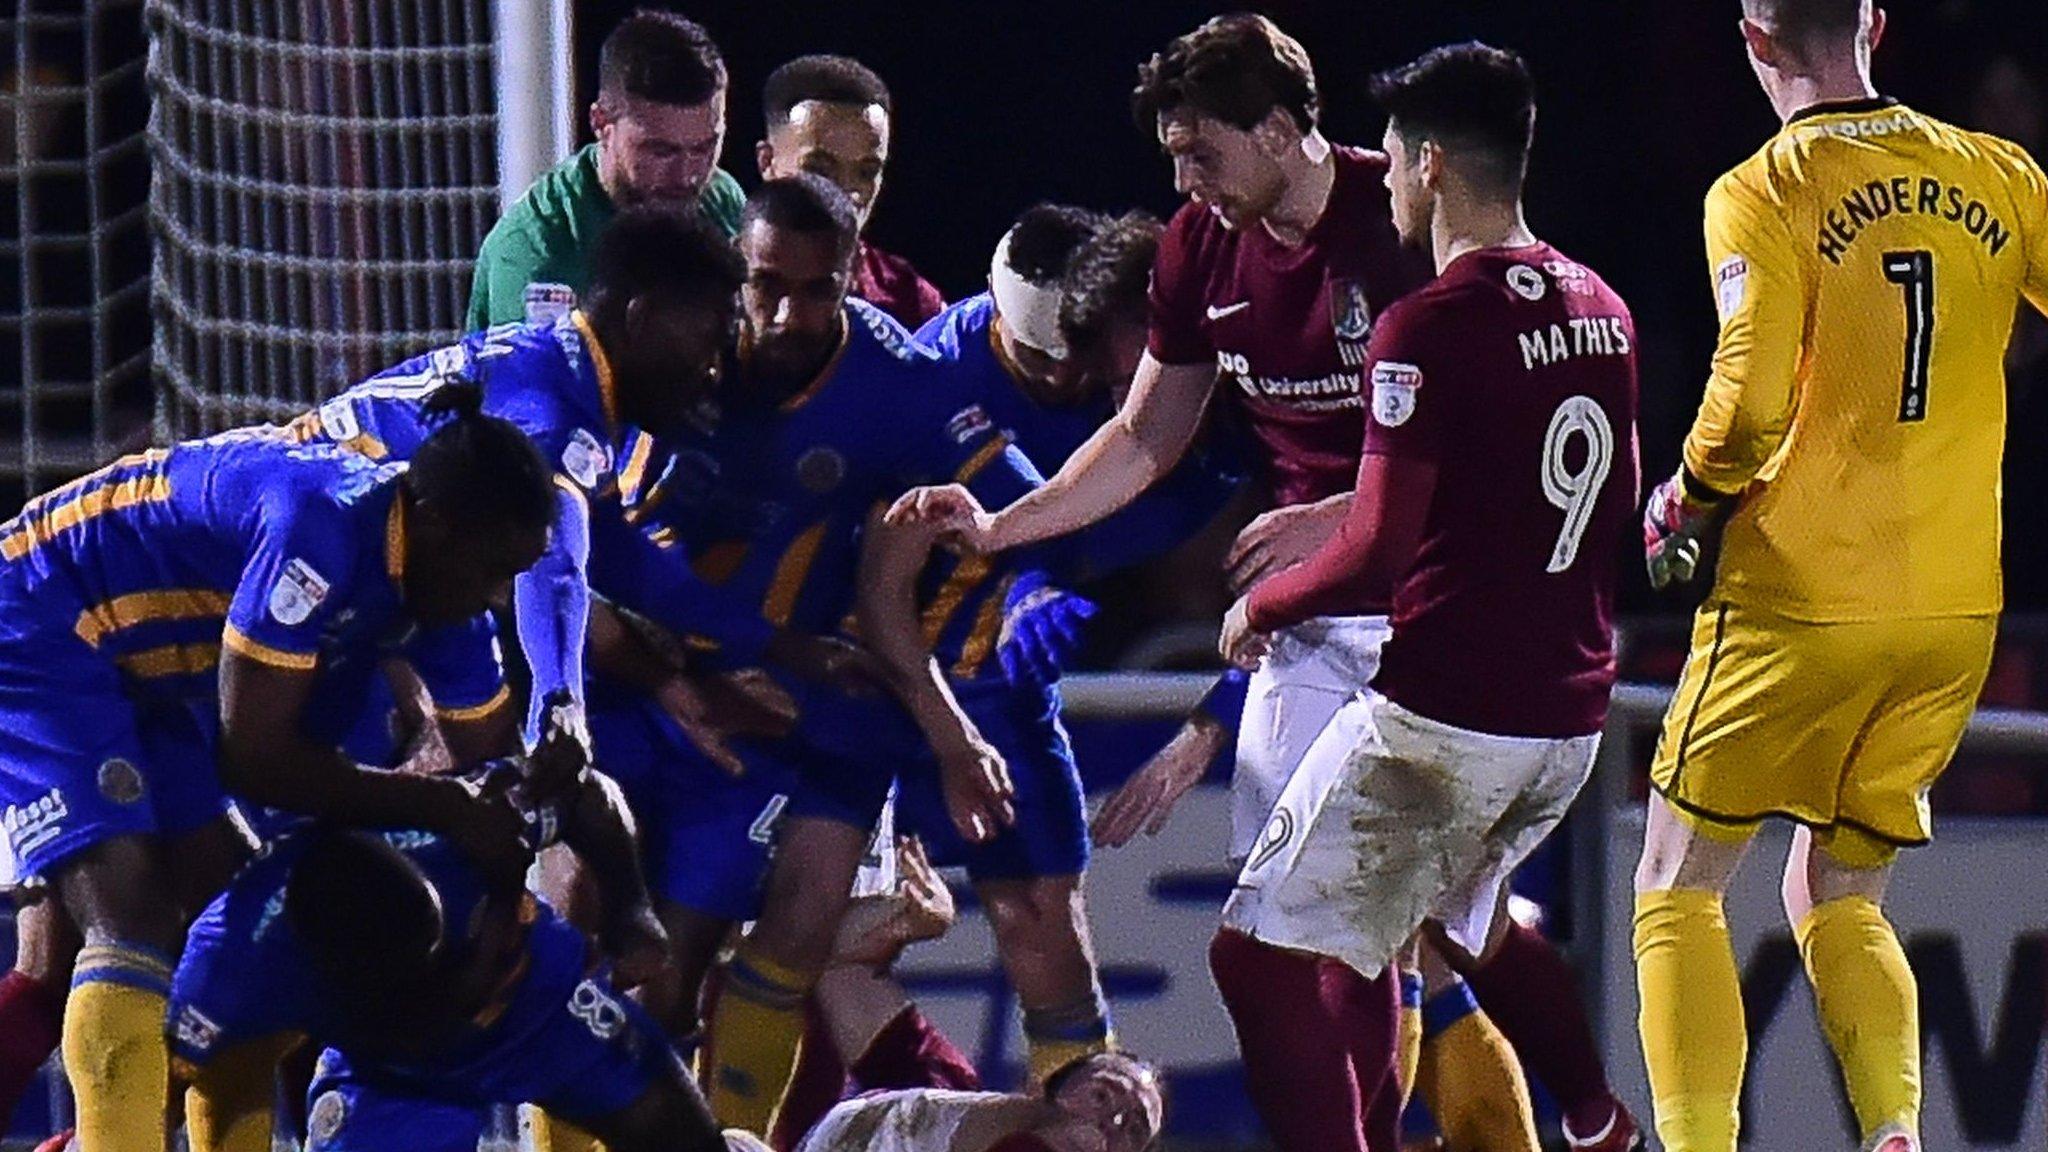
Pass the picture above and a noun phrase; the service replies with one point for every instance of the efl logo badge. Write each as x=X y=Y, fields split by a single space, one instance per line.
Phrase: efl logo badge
x=546 y=303
x=298 y=591
x=968 y=423
x=1731 y=280
x=1394 y=386
x=585 y=460
x=1350 y=313
x=1527 y=282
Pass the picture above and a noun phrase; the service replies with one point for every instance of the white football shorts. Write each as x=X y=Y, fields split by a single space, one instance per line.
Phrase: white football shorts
x=1393 y=819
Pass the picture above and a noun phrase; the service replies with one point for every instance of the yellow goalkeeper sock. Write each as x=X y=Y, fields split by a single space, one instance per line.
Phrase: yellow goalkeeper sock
x=1410 y=1035
x=1694 y=1038
x=114 y=1048
x=1470 y=1078
x=230 y=1106
x=1869 y=1006
x=551 y=1134
x=756 y=1030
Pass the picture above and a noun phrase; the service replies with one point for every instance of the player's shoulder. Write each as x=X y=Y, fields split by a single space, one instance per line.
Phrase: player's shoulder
x=877 y=341
x=1194 y=236
x=948 y=332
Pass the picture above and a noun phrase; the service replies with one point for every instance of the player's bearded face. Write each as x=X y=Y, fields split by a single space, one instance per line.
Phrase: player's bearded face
x=790 y=307
x=1221 y=167
x=1122 y=1103
x=651 y=153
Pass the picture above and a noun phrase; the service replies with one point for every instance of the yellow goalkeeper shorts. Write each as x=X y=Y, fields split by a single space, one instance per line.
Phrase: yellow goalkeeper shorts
x=1842 y=725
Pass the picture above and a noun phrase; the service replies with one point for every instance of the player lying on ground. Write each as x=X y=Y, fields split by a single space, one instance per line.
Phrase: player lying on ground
x=1106 y=1102
x=1867 y=265
x=1498 y=478
x=201 y=620
x=437 y=990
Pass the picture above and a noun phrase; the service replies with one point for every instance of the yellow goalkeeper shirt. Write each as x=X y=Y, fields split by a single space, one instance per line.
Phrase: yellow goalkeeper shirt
x=1867 y=264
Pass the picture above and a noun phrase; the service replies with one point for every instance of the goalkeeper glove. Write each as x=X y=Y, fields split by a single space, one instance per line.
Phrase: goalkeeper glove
x=1680 y=515
x=1041 y=628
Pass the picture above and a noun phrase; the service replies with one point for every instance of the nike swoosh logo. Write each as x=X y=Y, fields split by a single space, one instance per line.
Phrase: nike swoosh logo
x=1216 y=313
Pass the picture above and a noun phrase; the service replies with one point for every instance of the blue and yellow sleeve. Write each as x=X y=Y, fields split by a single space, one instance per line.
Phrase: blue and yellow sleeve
x=463 y=669
x=299 y=574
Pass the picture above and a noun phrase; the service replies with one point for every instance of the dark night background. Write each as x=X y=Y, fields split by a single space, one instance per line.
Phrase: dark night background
x=1641 y=106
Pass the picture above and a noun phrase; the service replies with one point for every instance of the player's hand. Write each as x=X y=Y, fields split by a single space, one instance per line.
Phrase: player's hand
x=638 y=946
x=1239 y=643
x=838 y=664
x=978 y=788
x=878 y=928
x=488 y=828
x=1041 y=629
x=748 y=702
x=561 y=758
x=1147 y=799
x=1676 y=525
x=1280 y=539
x=950 y=508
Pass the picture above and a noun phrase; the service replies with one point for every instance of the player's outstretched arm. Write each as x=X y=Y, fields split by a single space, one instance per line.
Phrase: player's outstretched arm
x=265 y=759
x=598 y=827
x=1359 y=564
x=1146 y=800
x=1134 y=448
x=977 y=783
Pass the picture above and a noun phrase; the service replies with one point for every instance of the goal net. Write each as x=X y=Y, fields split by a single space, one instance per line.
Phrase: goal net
x=323 y=174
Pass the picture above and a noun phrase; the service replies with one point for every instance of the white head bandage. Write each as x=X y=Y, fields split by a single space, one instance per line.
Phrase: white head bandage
x=1031 y=312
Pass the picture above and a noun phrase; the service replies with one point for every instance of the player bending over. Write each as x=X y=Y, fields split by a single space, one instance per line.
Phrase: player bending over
x=204 y=619
x=1867 y=261
x=438 y=991
x=1497 y=481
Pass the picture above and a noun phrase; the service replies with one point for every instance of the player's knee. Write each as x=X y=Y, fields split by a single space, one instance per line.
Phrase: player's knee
x=118 y=890
x=1847 y=862
x=1041 y=915
x=1685 y=851
x=45 y=942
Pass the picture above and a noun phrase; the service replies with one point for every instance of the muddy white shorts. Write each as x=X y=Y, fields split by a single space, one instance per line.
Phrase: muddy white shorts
x=909 y=1120
x=1393 y=819
x=1313 y=668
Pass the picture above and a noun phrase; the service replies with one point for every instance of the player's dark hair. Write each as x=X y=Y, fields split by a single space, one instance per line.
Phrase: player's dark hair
x=1806 y=24
x=825 y=79
x=805 y=204
x=660 y=56
x=367 y=919
x=663 y=249
x=1059 y=1076
x=478 y=469
x=1237 y=68
x=1107 y=279
x=1045 y=238
x=1477 y=102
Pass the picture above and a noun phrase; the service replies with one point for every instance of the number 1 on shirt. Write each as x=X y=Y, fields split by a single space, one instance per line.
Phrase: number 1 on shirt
x=1913 y=272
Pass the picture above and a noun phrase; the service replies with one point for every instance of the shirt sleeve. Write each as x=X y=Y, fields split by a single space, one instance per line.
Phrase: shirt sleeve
x=299 y=575
x=508 y=261
x=657 y=582
x=2030 y=192
x=552 y=599
x=1176 y=296
x=1407 y=390
x=1761 y=294
x=961 y=445
x=462 y=667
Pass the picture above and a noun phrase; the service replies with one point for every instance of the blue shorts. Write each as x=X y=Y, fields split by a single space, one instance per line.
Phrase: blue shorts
x=705 y=836
x=1050 y=837
x=241 y=976
x=81 y=759
x=567 y=1042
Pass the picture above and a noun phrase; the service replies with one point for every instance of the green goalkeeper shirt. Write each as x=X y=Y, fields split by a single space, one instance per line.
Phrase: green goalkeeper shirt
x=549 y=235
